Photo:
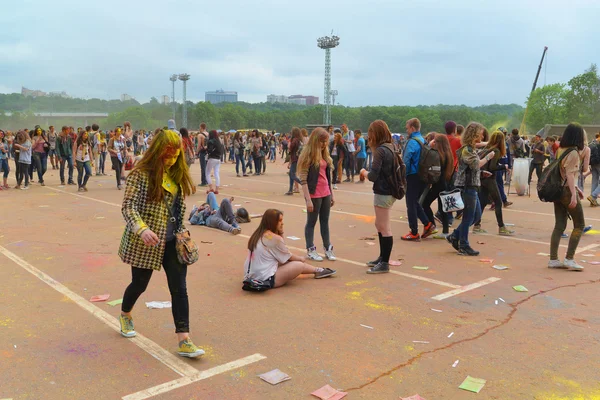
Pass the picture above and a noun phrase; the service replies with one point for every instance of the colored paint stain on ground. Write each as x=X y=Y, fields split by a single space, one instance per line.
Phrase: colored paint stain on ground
x=356 y=283
x=6 y=322
x=365 y=218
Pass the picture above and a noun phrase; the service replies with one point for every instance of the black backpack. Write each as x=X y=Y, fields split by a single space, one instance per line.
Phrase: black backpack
x=430 y=164
x=397 y=181
x=594 y=153
x=550 y=185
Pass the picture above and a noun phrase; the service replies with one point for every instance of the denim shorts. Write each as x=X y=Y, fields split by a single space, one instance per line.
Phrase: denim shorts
x=384 y=201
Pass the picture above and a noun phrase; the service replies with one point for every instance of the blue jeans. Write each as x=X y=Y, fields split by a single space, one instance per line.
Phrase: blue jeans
x=81 y=166
x=224 y=219
x=69 y=161
x=414 y=189
x=202 y=157
x=272 y=154
x=239 y=158
x=293 y=177
x=41 y=164
x=471 y=213
x=102 y=161
x=4 y=167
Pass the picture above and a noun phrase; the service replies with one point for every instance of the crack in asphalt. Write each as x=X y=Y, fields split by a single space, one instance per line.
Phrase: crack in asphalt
x=507 y=319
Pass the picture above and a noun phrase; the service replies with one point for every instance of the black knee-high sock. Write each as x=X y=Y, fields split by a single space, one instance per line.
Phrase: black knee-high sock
x=388 y=244
x=380 y=244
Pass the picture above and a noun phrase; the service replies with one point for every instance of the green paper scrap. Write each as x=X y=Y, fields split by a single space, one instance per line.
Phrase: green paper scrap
x=115 y=302
x=304 y=210
x=520 y=288
x=472 y=384
x=421 y=268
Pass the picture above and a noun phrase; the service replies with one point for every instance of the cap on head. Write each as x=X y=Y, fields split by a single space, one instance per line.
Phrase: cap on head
x=171 y=124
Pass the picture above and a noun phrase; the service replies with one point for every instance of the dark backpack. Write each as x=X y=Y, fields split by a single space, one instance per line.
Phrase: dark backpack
x=550 y=185
x=397 y=181
x=594 y=153
x=430 y=164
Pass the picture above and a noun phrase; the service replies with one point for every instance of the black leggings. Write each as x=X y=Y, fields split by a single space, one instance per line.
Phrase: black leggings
x=489 y=188
x=176 y=278
x=321 y=211
x=117 y=166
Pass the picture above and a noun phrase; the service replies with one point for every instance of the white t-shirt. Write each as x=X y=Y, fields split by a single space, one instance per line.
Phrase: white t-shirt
x=350 y=141
x=269 y=254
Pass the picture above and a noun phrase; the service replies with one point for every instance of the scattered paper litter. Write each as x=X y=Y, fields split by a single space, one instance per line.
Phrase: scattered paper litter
x=274 y=377
x=237 y=205
x=472 y=384
x=520 y=288
x=501 y=299
x=115 y=302
x=99 y=217
x=44 y=206
x=420 y=341
x=500 y=267
x=507 y=224
x=370 y=243
x=455 y=364
x=351 y=226
x=100 y=297
x=395 y=263
x=304 y=210
x=328 y=393
x=15 y=345
x=486 y=260
x=496 y=301
x=158 y=304
x=544 y=254
x=593 y=262
x=293 y=237
x=415 y=397
x=367 y=326
x=589 y=255
x=433 y=309
x=421 y=268
x=450 y=335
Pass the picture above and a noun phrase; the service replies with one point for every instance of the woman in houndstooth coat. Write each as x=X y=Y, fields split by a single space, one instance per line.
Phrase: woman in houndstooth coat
x=154 y=208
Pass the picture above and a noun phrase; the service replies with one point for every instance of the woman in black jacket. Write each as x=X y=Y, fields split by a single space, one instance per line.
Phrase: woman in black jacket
x=214 y=150
x=489 y=187
x=380 y=142
x=338 y=152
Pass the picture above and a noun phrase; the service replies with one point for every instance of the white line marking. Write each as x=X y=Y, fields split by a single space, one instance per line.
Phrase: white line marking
x=150 y=347
x=83 y=197
x=465 y=288
x=186 y=380
x=586 y=248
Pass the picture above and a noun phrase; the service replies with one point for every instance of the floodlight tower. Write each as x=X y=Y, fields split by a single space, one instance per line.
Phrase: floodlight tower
x=184 y=78
x=327 y=43
x=333 y=94
x=173 y=79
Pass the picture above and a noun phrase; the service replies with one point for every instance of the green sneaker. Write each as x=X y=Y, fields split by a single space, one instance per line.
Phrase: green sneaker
x=189 y=349
x=127 y=329
x=477 y=229
x=504 y=231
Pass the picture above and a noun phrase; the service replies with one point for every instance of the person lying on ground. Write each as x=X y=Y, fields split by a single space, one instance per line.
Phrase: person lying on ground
x=269 y=259
x=221 y=217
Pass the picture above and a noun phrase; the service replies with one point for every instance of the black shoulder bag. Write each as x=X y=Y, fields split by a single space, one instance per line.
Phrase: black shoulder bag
x=254 y=285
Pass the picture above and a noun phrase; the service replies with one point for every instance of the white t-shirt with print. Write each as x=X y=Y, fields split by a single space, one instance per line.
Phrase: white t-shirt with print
x=269 y=254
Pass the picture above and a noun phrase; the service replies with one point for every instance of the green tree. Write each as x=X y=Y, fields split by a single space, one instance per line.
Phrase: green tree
x=583 y=97
x=546 y=105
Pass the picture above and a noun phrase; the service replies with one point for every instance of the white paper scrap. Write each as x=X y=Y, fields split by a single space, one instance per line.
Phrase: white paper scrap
x=450 y=335
x=501 y=299
x=367 y=326
x=496 y=301
x=420 y=341
x=293 y=237
x=433 y=309
x=158 y=304
x=544 y=254
x=455 y=364
x=237 y=205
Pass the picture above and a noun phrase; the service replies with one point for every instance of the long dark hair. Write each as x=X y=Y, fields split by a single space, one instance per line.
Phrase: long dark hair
x=269 y=222
x=213 y=135
x=573 y=136
x=442 y=145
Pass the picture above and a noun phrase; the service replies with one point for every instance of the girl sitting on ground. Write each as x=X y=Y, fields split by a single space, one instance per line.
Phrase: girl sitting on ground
x=269 y=259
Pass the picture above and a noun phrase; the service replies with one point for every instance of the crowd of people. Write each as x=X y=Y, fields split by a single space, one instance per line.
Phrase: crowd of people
x=414 y=167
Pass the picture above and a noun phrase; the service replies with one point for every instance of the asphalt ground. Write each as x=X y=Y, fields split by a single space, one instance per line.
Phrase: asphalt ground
x=354 y=332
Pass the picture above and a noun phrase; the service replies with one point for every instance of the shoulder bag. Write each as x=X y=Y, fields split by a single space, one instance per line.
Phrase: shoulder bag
x=254 y=285
x=186 y=248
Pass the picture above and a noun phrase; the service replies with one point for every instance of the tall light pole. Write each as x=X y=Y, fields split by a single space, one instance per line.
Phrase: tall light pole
x=173 y=79
x=333 y=94
x=184 y=78
x=327 y=43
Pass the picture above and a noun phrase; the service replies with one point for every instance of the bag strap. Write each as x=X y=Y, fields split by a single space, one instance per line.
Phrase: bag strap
x=249 y=262
x=170 y=211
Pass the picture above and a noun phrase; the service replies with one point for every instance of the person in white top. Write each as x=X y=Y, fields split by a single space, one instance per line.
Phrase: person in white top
x=84 y=158
x=270 y=261
x=349 y=140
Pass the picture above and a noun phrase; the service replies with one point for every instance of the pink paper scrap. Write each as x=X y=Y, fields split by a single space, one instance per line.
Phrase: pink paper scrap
x=328 y=393
x=100 y=297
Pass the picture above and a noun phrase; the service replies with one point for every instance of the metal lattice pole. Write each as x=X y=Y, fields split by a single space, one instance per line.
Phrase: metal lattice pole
x=173 y=79
x=184 y=78
x=327 y=111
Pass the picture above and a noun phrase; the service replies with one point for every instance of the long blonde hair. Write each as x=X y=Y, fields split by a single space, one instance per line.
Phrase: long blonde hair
x=152 y=164
x=313 y=152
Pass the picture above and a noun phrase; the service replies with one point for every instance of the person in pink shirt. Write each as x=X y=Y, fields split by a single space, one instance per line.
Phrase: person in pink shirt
x=314 y=170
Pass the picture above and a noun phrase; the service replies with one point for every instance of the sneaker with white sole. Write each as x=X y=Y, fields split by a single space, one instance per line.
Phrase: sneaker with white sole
x=189 y=349
x=236 y=231
x=556 y=264
x=313 y=255
x=127 y=328
x=572 y=265
x=326 y=272
x=330 y=254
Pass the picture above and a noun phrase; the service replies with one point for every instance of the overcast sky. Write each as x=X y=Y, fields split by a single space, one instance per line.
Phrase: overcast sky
x=392 y=52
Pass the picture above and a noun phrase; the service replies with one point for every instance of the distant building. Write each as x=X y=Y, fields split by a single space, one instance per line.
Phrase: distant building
x=32 y=93
x=62 y=94
x=126 y=97
x=166 y=100
x=306 y=100
x=274 y=98
x=221 y=96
